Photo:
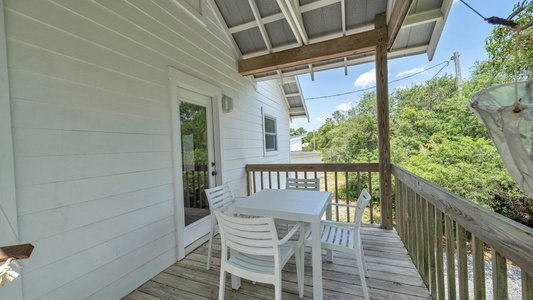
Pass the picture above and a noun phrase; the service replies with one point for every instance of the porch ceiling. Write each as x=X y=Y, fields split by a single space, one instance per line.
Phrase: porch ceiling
x=275 y=39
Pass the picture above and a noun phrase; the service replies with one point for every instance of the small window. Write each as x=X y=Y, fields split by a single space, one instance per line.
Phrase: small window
x=271 y=135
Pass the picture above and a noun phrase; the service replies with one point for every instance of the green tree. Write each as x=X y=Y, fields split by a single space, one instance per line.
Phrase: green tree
x=297 y=132
x=501 y=45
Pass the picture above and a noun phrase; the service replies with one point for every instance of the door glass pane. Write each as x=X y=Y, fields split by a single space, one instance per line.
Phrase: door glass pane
x=194 y=161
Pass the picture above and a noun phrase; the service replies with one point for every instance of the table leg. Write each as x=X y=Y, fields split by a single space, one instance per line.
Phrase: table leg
x=329 y=253
x=316 y=253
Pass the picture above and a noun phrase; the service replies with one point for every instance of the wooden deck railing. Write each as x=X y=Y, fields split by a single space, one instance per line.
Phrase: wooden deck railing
x=195 y=181
x=343 y=180
x=434 y=223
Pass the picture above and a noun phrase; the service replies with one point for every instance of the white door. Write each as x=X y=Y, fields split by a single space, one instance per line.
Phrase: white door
x=198 y=168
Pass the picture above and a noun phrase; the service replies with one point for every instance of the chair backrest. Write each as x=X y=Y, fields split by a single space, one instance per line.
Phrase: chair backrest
x=362 y=202
x=220 y=197
x=256 y=236
x=301 y=183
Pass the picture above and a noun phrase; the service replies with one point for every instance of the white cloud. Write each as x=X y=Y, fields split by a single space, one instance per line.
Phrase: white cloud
x=321 y=119
x=410 y=72
x=366 y=79
x=344 y=106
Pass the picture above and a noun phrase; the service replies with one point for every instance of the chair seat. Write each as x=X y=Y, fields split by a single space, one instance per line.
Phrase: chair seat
x=334 y=237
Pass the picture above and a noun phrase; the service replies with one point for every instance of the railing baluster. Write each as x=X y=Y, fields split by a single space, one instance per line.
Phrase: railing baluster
x=371 y=200
x=431 y=250
x=419 y=237
x=527 y=286
x=499 y=276
x=347 y=196
x=478 y=264
x=279 y=181
x=439 y=254
x=255 y=183
x=326 y=181
x=397 y=204
x=337 y=196
x=450 y=258
x=424 y=251
x=412 y=225
x=462 y=273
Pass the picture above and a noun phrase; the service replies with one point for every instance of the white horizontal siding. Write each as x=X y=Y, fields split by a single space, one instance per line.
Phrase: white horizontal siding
x=92 y=136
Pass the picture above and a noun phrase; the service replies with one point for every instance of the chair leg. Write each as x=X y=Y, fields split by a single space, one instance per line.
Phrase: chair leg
x=222 y=285
x=361 y=265
x=211 y=236
x=300 y=270
x=360 y=253
x=277 y=288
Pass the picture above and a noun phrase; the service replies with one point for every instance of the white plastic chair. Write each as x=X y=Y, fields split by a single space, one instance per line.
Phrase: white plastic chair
x=346 y=237
x=256 y=253
x=301 y=183
x=220 y=198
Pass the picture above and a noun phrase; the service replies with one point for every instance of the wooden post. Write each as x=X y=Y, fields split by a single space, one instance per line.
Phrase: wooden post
x=382 y=92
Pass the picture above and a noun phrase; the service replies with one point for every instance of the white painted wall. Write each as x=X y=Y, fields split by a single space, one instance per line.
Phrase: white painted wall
x=296 y=143
x=91 y=127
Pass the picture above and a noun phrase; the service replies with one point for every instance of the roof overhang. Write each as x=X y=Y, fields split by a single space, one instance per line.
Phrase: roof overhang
x=278 y=39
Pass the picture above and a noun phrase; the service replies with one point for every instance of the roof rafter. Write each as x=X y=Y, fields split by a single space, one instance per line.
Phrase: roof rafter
x=297 y=19
x=292 y=22
x=399 y=13
x=260 y=24
x=423 y=17
x=345 y=46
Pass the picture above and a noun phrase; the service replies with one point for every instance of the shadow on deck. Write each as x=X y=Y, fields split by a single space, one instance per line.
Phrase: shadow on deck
x=391 y=275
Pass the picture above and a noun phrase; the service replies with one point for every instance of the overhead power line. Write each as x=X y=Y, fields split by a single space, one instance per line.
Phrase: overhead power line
x=445 y=63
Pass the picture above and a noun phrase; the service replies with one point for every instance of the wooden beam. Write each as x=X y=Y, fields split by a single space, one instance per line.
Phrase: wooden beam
x=17 y=251
x=345 y=46
x=398 y=15
x=382 y=93
x=423 y=17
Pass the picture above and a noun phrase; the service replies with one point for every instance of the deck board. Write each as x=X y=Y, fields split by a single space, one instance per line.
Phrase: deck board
x=391 y=275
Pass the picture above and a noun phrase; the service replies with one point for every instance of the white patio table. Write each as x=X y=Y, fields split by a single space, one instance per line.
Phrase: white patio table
x=295 y=205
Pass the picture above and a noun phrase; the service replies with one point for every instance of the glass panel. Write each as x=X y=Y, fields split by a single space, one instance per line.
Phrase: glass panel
x=270 y=142
x=270 y=125
x=270 y=134
x=194 y=161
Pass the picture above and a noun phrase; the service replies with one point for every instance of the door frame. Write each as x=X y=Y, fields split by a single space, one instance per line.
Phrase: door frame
x=178 y=79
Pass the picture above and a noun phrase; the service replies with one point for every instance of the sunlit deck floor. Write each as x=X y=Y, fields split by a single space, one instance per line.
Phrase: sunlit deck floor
x=391 y=275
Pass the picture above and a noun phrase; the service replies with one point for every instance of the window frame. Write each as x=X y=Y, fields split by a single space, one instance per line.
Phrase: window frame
x=270 y=151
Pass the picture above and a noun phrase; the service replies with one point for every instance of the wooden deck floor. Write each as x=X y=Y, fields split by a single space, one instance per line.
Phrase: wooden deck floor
x=391 y=273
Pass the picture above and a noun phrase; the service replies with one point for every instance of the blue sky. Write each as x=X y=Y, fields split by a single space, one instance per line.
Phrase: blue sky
x=464 y=32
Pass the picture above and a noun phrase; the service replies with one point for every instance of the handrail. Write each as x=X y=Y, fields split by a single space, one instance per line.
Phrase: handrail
x=361 y=167
x=420 y=206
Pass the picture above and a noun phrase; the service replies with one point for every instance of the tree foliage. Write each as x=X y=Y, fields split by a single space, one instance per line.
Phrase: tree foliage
x=298 y=132
x=501 y=46
x=434 y=135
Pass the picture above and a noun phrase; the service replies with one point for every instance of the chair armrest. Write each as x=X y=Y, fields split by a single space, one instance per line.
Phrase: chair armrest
x=337 y=223
x=290 y=233
x=342 y=204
